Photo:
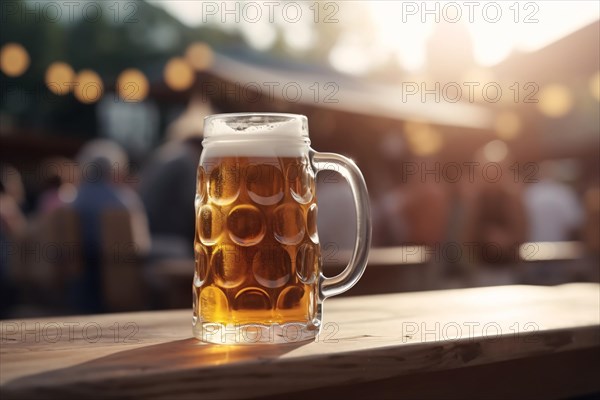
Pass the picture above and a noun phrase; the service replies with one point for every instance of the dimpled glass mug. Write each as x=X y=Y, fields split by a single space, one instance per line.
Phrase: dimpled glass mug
x=258 y=272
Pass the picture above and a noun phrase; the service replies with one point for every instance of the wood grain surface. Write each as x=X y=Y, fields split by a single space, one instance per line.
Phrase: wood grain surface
x=364 y=339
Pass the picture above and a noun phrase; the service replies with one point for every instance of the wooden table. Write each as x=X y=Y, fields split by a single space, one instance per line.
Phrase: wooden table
x=486 y=342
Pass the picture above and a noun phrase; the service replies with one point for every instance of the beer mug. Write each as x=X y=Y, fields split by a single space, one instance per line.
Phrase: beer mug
x=258 y=275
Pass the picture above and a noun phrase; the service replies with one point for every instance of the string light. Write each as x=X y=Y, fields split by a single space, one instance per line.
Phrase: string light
x=59 y=78
x=200 y=56
x=179 y=74
x=88 y=87
x=132 y=85
x=14 y=59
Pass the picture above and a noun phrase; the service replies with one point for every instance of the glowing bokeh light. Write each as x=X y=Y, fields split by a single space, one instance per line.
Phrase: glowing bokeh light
x=179 y=74
x=507 y=125
x=422 y=139
x=88 y=87
x=132 y=85
x=555 y=100
x=14 y=59
x=60 y=78
x=495 y=151
x=200 y=56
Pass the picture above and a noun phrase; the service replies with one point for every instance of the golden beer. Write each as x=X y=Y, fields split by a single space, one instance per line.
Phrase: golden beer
x=256 y=246
x=257 y=275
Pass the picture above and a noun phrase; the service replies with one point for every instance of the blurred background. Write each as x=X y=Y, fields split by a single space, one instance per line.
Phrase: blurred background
x=476 y=127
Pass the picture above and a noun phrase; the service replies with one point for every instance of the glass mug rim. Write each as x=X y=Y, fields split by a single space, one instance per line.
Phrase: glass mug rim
x=228 y=127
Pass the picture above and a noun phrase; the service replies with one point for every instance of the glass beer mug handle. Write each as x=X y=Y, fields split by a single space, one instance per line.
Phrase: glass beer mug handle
x=358 y=262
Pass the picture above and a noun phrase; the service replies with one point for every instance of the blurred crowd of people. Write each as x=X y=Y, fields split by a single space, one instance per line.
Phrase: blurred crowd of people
x=483 y=226
x=69 y=254
x=95 y=226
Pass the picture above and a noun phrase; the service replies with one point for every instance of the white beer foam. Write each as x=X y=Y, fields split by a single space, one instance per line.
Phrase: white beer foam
x=289 y=128
x=275 y=139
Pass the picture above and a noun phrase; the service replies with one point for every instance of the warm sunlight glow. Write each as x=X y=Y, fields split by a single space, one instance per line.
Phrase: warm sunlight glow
x=545 y=251
x=496 y=29
x=88 y=87
x=300 y=37
x=507 y=125
x=505 y=295
x=555 y=100
x=132 y=85
x=349 y=56
x=179 y=74
x=59 y=78
x=14 y=59
x=406 y=40
x=399 y=31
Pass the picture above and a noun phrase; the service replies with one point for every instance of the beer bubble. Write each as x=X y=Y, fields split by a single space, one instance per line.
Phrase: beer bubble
x=201 y=265
x=264 y=183
x=300 y=178
x=246 y=225
x=252 y=299
x=272 y=266
x=288 y=224
x=290 y=297
x=228 y=265
x=213 y=305
x=210 y=224
x=201 y=184
x=224 y=184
